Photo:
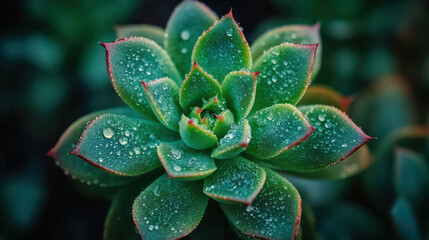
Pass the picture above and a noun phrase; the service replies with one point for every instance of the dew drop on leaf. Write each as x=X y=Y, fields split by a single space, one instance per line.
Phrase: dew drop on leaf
x=185 y=35
x=123 y=141
x=108 y=133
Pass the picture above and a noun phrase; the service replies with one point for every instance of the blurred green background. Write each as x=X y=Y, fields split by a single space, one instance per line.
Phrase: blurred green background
x=53 y=71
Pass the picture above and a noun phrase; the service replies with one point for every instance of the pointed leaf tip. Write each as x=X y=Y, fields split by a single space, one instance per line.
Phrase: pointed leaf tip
x=277 y=129
x=136 y=59
x=298 y=34
x=335 y=137
x=286 y=71
x=122 y=145
x=232 y=52
x=277 y=220
x=184 y=27
x=75 y=166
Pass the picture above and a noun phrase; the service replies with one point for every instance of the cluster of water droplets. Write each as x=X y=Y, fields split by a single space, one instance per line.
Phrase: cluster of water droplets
x=331 y=132
x=137 y=63
x=164 y=206
x=121 y=141
x=235 y=179
x=273 y=213
x=276 y=129
x=283 y=75
x=181 y=160
x=165 y=98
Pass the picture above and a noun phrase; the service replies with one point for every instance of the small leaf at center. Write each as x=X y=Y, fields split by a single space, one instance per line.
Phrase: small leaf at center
x=184 y=163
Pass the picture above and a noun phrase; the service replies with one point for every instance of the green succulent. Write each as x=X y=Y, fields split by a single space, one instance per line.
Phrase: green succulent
x=219 y=120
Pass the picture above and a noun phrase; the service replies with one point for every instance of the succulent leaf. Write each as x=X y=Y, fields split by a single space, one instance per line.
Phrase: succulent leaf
x=276 y=129
x=197 y=86
x=163 y=97
x=239 y=89
x=223 y=123
x=79 y=168
x=404 y=219
x=152 y=32
x=275 y=213
x=222 y=49
x=354 y=164
x=334 y=138
x=185 y=25
x=122 y=145
x=236 y=180
x=133 y=60
x=196 y=136
x=119 y=221
x=234 y=142
x=185 y=163
x=319 y=94
x=411 y=175
x=169 y=209
x=285 y=72
x=300 y=34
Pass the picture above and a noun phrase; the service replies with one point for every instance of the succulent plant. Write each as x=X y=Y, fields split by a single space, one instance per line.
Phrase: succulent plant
x=218 y=116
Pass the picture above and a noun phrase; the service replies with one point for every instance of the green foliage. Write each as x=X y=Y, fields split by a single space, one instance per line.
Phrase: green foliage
x=216 y=135
x=238 y=180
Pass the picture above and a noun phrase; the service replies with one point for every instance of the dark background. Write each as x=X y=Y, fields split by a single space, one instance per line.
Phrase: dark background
x=53 y=71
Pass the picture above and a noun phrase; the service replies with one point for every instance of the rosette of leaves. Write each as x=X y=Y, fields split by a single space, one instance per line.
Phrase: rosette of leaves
x=216 y=118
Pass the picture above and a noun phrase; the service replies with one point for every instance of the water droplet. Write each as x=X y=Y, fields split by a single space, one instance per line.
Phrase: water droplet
x=229 y=32
x=185 y=35
x=150 y=227
x=177 y=168
x=293 y=35
x=344 y=145
x=176 y=153
x=108 y=133
x=123 y=141
x=141 y=68
x=184 y=50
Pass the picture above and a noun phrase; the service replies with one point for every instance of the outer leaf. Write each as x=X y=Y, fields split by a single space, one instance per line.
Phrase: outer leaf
x=119 y=221
x=320 y=94
x=195 y=136
x=357 y=162
x=197 y=86
x=285 y=74
x=276 y=129
x=275 y=213
x=223 y=123
x=188 y=21
x=223 y=49
x=136 y=59
x=163 y=97
x=234 y=142
x=75 y=166
x=335 y=138
x=184 y=163
x=237 y=180
x=122 y=145
x=239 y=89
x=405 y=220
x=411 y=175
x=152 y=32
x=301 y=34
x=169 y=209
